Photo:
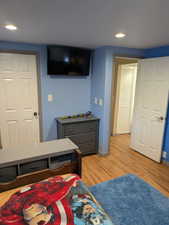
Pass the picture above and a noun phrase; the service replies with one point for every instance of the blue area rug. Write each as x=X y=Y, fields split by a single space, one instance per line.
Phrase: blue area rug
x=128 y=200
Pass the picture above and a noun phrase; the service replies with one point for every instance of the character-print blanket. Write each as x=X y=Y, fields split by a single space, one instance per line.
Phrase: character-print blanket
x=55 y=201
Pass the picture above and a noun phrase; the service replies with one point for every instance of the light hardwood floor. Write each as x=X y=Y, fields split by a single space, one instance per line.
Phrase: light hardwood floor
x=122 y=160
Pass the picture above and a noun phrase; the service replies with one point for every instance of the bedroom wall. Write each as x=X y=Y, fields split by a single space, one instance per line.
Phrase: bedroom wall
x=101 y=83
x=159 y=52
x=75 y=95
x=71 y=95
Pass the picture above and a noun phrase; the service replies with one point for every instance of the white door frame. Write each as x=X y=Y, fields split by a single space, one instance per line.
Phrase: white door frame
x=36 y=54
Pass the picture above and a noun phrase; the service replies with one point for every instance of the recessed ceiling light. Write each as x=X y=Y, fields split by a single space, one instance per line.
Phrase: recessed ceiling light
x=120 y=35
x=11 y=27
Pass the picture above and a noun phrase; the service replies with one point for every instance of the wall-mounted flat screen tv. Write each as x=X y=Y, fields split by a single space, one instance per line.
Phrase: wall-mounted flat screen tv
x=71 y=61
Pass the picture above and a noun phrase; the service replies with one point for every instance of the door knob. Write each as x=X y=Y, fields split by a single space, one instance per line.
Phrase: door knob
x=161 y=118
x=35 y=114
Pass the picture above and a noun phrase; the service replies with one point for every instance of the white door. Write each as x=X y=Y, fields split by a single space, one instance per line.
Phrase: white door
x=127 y=79
x=150 y=108
x=18 y=100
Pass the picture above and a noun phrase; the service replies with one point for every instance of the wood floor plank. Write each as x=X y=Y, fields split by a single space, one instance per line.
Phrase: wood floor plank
x=122 y=160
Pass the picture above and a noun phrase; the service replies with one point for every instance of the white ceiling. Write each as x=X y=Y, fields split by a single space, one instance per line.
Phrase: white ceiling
x=87 y=23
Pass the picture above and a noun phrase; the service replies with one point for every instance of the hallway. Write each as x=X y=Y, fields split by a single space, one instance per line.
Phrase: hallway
x=122 y=160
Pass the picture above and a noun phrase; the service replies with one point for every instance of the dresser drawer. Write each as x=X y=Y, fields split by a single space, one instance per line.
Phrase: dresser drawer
x=77 y=128
x=83 y=138
x=33 y=166
x=87 y=148
x=8 y=173
x=84 y=132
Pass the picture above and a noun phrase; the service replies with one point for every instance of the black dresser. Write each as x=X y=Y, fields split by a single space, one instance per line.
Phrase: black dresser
x=84 y=132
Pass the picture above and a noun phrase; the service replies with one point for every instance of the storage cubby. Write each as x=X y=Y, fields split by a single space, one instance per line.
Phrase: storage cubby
x=34 y=166
x=8 y=173
x=57 y=161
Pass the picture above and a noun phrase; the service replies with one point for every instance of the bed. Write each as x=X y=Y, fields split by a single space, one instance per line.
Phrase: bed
x=62 y=199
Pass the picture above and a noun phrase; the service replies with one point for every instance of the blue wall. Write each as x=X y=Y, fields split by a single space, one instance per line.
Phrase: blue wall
x=159 y=52
x=101 y=88
x=71 y=95
x=101 y=85
x=166 y=137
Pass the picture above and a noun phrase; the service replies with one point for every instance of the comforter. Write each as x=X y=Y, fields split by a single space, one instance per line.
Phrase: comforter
x=55 y=201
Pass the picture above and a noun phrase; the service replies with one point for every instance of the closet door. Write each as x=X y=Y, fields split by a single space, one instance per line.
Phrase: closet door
x=127 y=79
x=19 y=125
x=151 y=100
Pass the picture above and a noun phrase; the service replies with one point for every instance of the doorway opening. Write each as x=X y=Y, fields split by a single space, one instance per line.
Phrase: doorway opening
x=125 y=75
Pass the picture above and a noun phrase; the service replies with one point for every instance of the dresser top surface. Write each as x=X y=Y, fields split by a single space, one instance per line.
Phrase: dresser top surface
x=76 y=120
x=41 y=150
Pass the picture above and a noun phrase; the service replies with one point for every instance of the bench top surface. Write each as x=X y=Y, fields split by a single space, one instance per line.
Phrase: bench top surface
x=37 y=151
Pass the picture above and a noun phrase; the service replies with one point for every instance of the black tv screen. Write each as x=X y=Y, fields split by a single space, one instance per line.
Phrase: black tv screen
x=63 y=60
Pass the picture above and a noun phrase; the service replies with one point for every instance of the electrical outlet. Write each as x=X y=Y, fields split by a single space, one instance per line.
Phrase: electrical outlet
x=95 y=100
x=164 y=155
x=100 y=101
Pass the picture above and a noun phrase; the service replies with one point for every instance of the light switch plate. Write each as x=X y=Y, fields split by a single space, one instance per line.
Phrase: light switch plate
x=100 y=101
x=50 y=98
x=95 y=100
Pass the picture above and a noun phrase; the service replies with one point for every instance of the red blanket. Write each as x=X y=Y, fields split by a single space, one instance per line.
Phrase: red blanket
x=46 y=202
